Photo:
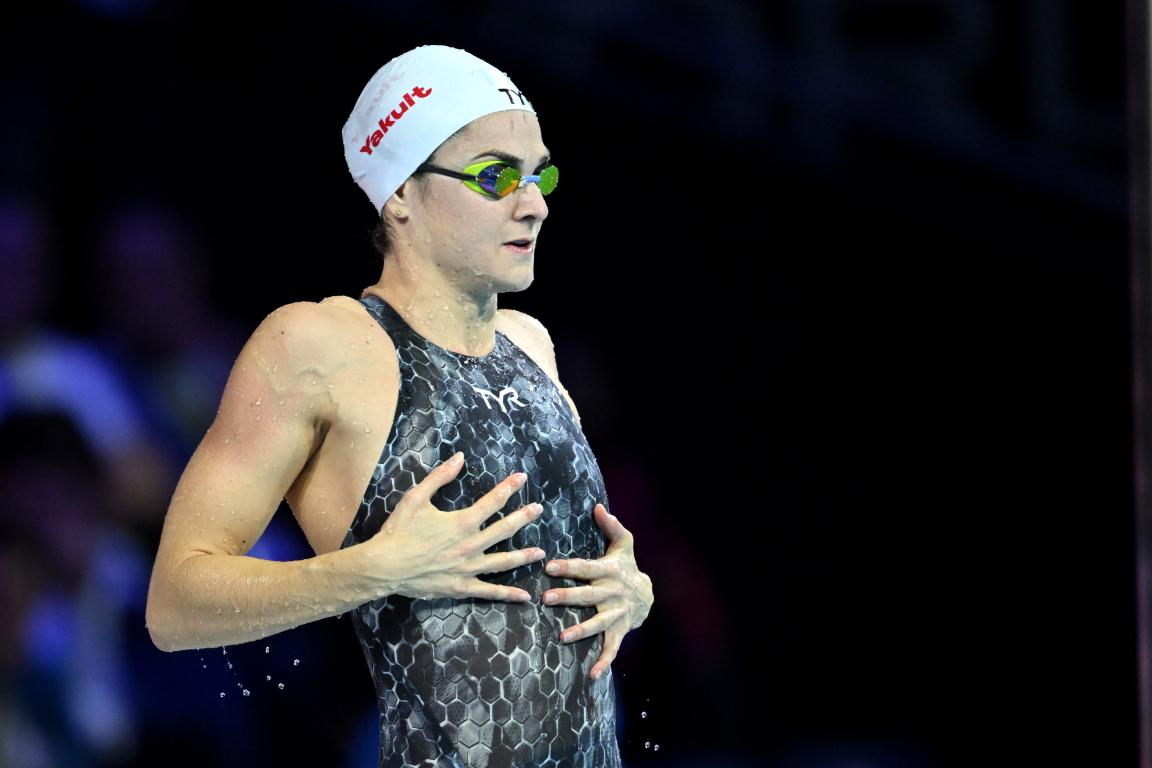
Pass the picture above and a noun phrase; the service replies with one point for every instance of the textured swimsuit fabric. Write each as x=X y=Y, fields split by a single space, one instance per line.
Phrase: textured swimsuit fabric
x=472 y=682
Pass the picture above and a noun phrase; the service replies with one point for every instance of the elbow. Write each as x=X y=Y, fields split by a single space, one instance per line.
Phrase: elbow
x=162 y=619
x=154 y=617
x=164 y=616
x=158 y=629
x=168 y=639
x=159 y=641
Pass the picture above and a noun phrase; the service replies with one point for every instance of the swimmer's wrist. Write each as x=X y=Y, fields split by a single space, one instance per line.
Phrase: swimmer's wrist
x=354 y=571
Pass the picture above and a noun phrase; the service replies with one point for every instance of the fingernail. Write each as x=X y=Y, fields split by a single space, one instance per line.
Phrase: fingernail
x=459 y=457
x=553 y=568
x=550 y=597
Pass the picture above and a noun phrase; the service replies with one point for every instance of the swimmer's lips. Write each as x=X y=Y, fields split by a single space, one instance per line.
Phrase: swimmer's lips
x=524 y=245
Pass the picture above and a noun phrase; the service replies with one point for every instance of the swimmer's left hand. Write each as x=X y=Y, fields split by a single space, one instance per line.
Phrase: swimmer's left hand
x=621 y=593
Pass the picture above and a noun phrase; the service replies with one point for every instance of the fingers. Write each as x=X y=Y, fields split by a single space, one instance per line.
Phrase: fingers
x=493 y=501
x=617 y=534
x=504 y=528
x=486 y=591
x=591 y=595
x=598 y=623
x=612 y=641
x=578 y=568
x=442 y=474
x=506 y=561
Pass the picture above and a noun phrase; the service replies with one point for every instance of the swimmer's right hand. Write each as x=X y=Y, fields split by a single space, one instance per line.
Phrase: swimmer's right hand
x=424 y=552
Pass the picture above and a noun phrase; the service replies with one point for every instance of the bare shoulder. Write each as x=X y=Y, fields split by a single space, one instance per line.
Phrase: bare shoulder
x=310 y=346
x=530 y=335
x=310 y=330
x=527 y=321
x=301 y=322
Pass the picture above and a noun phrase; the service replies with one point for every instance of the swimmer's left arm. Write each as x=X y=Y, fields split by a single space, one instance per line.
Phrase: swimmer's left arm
x=621 y=593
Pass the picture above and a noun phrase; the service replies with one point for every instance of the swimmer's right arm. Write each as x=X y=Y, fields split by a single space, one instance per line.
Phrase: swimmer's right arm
x=205 y=592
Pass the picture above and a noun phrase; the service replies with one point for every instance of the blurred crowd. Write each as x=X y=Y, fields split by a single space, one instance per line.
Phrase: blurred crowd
x=95 y=431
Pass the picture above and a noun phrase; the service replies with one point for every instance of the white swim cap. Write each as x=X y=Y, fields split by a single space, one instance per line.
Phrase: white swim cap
x=411 y=105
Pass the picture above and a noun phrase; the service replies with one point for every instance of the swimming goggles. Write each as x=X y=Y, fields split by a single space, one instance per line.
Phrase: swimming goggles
x=496 y=178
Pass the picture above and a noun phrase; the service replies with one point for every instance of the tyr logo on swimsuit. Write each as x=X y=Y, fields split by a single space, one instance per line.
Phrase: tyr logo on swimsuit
x=485 y=395
x=390 y=119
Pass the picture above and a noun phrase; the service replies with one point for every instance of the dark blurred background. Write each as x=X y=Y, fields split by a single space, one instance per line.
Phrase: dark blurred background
x=840 y=288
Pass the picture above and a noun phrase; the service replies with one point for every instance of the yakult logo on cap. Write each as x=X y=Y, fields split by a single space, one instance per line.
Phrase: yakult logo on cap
x=390 y=119
x=466 y=87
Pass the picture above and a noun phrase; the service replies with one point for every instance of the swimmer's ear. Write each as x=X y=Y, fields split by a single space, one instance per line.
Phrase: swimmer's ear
x=398 y=201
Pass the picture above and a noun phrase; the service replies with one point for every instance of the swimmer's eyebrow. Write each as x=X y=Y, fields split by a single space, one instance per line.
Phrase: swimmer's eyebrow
x=512 y=159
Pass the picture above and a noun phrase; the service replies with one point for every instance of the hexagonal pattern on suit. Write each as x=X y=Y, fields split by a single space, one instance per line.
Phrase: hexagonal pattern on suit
x=471 y=682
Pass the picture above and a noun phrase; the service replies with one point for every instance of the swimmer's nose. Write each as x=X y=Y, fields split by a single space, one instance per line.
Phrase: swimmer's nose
x=530 y=201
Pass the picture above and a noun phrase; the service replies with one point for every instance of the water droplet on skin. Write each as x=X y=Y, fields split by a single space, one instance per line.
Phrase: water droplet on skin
x=281 y=402
x=257 y=401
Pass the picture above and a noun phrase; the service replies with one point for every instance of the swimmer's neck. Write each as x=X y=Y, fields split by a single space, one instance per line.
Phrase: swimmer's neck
x=437 y=309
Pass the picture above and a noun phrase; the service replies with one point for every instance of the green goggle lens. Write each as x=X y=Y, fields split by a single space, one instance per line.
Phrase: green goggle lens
x=498 y=179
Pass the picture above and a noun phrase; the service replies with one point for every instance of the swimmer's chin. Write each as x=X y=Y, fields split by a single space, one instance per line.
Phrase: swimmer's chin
x=516 y=287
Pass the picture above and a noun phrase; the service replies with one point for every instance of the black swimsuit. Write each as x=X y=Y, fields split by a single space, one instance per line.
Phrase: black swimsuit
x=472 y=682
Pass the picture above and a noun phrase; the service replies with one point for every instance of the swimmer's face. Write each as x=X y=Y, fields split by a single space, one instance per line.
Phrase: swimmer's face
x=463 y=231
